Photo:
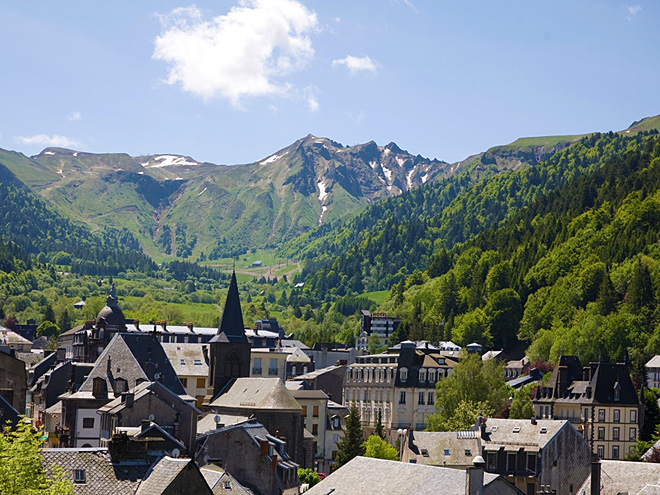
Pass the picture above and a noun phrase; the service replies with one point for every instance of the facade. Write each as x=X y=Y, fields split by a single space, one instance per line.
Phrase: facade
x=314 y=405
x=13 y=379
x=400 y=384
x=330 y=380
x=379 y=324
x=653 y=372
x=128 y=360
x=258 y=460
x=268 y=363
x=269 y=401
x=14 y=341
x=599 y=399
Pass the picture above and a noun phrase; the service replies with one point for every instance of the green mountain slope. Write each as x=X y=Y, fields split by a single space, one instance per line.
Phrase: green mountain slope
x=577 y=271
x=405 y=232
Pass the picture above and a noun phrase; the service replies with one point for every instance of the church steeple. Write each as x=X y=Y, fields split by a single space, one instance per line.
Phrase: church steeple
x=229 y=349
x=231 y=324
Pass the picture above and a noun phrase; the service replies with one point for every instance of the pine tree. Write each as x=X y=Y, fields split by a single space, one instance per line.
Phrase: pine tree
x=49 y=314
x=607 y=298
x=352 y=443
x=640 y=290
x=65 y=321
x=379 y=425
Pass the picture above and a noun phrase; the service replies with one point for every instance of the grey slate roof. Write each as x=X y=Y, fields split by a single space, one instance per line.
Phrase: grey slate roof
x=437 y=448
x=316 y=373
x=142 y=390
x=258 y=393
x=502 y=432
x=162 y=474
x=216 y=477
x=231 y=324
x=187 y=359
x=208 y=424
x=133 y=357
x=381 y=477
x=633 y=478
x=102 y=477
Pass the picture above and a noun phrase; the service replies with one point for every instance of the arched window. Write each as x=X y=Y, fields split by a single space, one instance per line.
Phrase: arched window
x=422 y=375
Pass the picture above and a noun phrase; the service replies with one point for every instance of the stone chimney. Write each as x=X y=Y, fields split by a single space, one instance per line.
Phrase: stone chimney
x=586 y=373
x=474 y=483
x=128 y=398
x=263 y=447
x=274 y=463
x=562 y=381
x=145 y=425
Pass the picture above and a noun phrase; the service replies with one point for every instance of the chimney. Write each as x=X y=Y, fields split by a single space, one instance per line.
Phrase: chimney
x=586 y=373
x=562 y=381
x=146 y=424
x=137 y=324
x=205 y=351
x=163 y=324
x=109 y=366
x=474 y=483
x=190 y=326
x=274 y=462
x=595 y=477
x=128 y=398
x=263 y=446
x=60 y=354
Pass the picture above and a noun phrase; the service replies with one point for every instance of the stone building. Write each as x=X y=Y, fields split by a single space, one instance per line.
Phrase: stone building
x=599 y=399
x=13 y=379
x=400 y=384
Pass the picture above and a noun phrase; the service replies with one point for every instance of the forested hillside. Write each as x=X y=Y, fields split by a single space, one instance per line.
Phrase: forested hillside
x=392 y=239
x=576 y=271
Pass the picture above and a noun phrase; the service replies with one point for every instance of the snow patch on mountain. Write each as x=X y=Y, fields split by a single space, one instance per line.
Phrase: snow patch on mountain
x=167 y=161
x=409 y=178
x=388 y=174
x=322 y=191
x=425 y=177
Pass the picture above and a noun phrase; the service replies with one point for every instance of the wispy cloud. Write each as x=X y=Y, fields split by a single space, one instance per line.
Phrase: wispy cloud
x=246 y=52
x=356 y=64
x=632 y=11
x=74 y=116
x=407 y=3
x=46 y=140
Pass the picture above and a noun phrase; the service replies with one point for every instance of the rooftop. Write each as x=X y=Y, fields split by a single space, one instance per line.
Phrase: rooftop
x=257 y=393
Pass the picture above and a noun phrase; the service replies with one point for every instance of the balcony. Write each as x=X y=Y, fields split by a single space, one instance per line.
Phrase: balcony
x=272 y=371
x=256 y=371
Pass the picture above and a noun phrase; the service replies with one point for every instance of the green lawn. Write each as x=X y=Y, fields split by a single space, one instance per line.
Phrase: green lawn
x=379 y=296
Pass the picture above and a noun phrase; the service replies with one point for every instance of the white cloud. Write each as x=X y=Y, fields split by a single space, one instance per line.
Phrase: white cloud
x=45 y=140
x=632 y=11
x=312 y=103
x=243 y=53
x=356 y=64
x=407 y=3
x=75 y=116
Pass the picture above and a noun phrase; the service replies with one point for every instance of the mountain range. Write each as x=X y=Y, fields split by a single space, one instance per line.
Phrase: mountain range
x=176 y=206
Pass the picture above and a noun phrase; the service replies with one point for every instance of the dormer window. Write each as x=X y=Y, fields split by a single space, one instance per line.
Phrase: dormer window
x=79 y=476
x=617 y=392
x=431 y=375
x=422 y=375
x=403 y=374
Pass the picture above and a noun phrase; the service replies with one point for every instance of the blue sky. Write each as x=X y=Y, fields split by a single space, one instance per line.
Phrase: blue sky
x=234 y=81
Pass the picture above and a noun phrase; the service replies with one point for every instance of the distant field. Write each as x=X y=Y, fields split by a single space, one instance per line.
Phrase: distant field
x=270 y=265
x=378 y=296
x=547 y=141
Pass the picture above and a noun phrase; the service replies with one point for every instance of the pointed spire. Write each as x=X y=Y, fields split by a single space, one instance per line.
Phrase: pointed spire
x=231 y=324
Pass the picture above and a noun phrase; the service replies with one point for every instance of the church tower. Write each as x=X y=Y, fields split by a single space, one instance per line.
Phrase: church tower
x=229 y=349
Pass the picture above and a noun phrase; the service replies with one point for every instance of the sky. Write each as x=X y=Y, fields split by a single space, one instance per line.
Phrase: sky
x=234 y=81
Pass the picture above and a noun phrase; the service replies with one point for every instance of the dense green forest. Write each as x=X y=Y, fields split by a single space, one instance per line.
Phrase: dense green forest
x=391 y=239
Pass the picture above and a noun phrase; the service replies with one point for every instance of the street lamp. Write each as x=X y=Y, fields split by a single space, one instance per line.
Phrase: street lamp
x=402 y=437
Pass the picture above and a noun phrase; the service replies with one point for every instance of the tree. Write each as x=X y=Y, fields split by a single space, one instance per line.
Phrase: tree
x=379 y=425
x=21 y=470
x=48 y=329
x=65 y=321
x=309 y=476
x=10 y=323
x=651 y=415
x=352 y=443
x=640 y=290
x=505 y=312
x=521 y=405
x=49 y=314
x=464 y=416
x=374 y=345
x=472 y=385
x=378 y=448
x=472 y=327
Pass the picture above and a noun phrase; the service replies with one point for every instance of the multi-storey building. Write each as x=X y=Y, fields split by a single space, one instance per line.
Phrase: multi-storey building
x=399 y=384
x=599 y=399
x=379 y=324
x=653 y=372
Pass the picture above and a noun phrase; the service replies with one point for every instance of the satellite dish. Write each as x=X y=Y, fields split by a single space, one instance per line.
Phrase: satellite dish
x=217 y=418
x=176 y=453
x=207 y=458
x=151 y=417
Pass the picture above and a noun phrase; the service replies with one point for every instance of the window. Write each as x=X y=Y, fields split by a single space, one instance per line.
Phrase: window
x=615 y=452
x=431 y=398
x=88 y=423
x=601 y=415
x=420 y=399
x=335 y=423
x=201 y=383
x=531 y=463
x=227 y=485
x=184 y=382
x=403 y=374
x=316 y=412
x=272 y=368
x=468 y=452
x=366 y=395
x=601 y=451
x=304 y=410
x=615 y=434
x=79 y=476
x=431 y=375
x=256 y=366
x=402 y=398
x=121 y=386
x=511 y=462
x=586 y=415
x=197 y=362
x=617 y=416
x=633 y=416
x=315 y=429
x=492 y=461
x=617 y=393
x=183 y=362
x=601 y=433
x=632 y=434
x=422 y=375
